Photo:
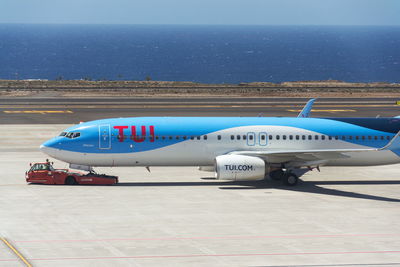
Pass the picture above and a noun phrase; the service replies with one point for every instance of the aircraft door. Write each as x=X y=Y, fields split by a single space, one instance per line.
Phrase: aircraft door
x=251 y=139
x=263 y=139
x=104 y=137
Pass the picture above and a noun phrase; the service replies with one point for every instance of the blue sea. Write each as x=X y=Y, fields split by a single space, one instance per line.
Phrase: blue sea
x=208 y=54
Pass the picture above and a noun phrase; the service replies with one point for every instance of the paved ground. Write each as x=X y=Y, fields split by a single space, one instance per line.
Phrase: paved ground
x=181 y=217
x=20 y=110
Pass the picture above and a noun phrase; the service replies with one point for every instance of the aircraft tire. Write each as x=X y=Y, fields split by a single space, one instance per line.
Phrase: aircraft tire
x=290 y=179
x=277 y=175
x=70 y=180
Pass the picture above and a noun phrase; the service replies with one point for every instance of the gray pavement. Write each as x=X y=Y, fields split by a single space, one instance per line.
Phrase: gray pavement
x=55 y=110
x=181 y=217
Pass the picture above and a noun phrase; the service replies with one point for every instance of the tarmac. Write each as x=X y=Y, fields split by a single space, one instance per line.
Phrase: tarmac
x=183 y=217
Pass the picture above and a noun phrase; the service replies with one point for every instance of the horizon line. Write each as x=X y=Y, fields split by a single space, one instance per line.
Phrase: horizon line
x=203 y=24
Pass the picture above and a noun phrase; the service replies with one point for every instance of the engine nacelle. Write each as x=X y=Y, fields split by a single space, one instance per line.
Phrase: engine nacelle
x=239 y=168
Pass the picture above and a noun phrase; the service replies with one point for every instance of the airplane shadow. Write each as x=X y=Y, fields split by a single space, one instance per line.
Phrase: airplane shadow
x=313 y=187
x=302 y=186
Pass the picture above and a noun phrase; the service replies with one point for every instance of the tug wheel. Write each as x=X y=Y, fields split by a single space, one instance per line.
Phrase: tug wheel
x=70 y=180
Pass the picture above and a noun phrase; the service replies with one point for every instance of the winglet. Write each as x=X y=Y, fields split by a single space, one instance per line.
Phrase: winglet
x=393 y=144
x=305 y=113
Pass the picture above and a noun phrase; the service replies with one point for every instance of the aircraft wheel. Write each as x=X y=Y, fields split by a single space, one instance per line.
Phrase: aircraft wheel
x=290 y=179
x=70 y=180
x=277 y=175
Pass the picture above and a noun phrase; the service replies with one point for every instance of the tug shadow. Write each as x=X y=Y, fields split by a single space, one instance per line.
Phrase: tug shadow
x=314 y=187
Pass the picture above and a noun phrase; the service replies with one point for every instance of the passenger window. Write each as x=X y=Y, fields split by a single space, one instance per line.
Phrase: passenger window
x=270 y=137
x=238 y=137
x=244 y=137
x=382 y=138
x=277 y=137
x=357 y=137
x=330 y=137
x=369 y=137
x=290 y=137
x=375 y=137
x=297 y=137
x=350 y=137
x=232 y=137
x=284 y=137
x=343 y=137
x=250 y=137
x=363 y=137
x=322 y=137
x=262 y=137
x=219 y=137
x=303 y=137
x=310 y=137
x=387 y=137
x=205 y=137
x=336 y=137
x=170 y=137
x=184 y=137
x=177 y=138
x=316 y=137
x=192 y=138
x=198 y=137
x=163 y=138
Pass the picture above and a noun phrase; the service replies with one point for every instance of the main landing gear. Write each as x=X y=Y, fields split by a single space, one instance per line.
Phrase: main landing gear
x=287 y=177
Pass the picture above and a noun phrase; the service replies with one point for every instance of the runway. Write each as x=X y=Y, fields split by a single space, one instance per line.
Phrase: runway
x=73 y=110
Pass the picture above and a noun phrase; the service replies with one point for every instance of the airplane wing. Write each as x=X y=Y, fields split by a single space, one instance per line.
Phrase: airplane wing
x=305 y=113
x=300 y=158
x=312 y=157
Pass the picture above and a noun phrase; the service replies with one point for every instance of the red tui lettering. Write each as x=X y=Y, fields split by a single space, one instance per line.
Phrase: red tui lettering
x=121 y=132
x=136 y=138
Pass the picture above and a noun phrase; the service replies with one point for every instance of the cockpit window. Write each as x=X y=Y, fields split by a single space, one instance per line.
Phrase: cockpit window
x=72 y=135
x=63 y=134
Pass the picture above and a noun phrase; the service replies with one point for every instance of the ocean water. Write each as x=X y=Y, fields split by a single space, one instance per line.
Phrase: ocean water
x=209 y=54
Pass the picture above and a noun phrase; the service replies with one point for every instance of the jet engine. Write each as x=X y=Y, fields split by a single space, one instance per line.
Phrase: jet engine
x=239 y=168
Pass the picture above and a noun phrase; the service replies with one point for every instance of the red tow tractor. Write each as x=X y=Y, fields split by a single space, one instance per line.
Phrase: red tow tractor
x=44 y=173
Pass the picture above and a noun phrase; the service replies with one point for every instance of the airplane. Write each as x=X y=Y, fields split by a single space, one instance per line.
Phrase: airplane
x=235 y=148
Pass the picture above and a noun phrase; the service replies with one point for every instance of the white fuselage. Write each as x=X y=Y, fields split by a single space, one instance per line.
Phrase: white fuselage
x=203 y=152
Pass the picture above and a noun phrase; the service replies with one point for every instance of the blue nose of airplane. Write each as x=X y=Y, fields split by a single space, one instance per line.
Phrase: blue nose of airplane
x=50 y=147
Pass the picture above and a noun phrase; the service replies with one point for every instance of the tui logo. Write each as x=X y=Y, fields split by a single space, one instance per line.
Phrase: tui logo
x=135 y=136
